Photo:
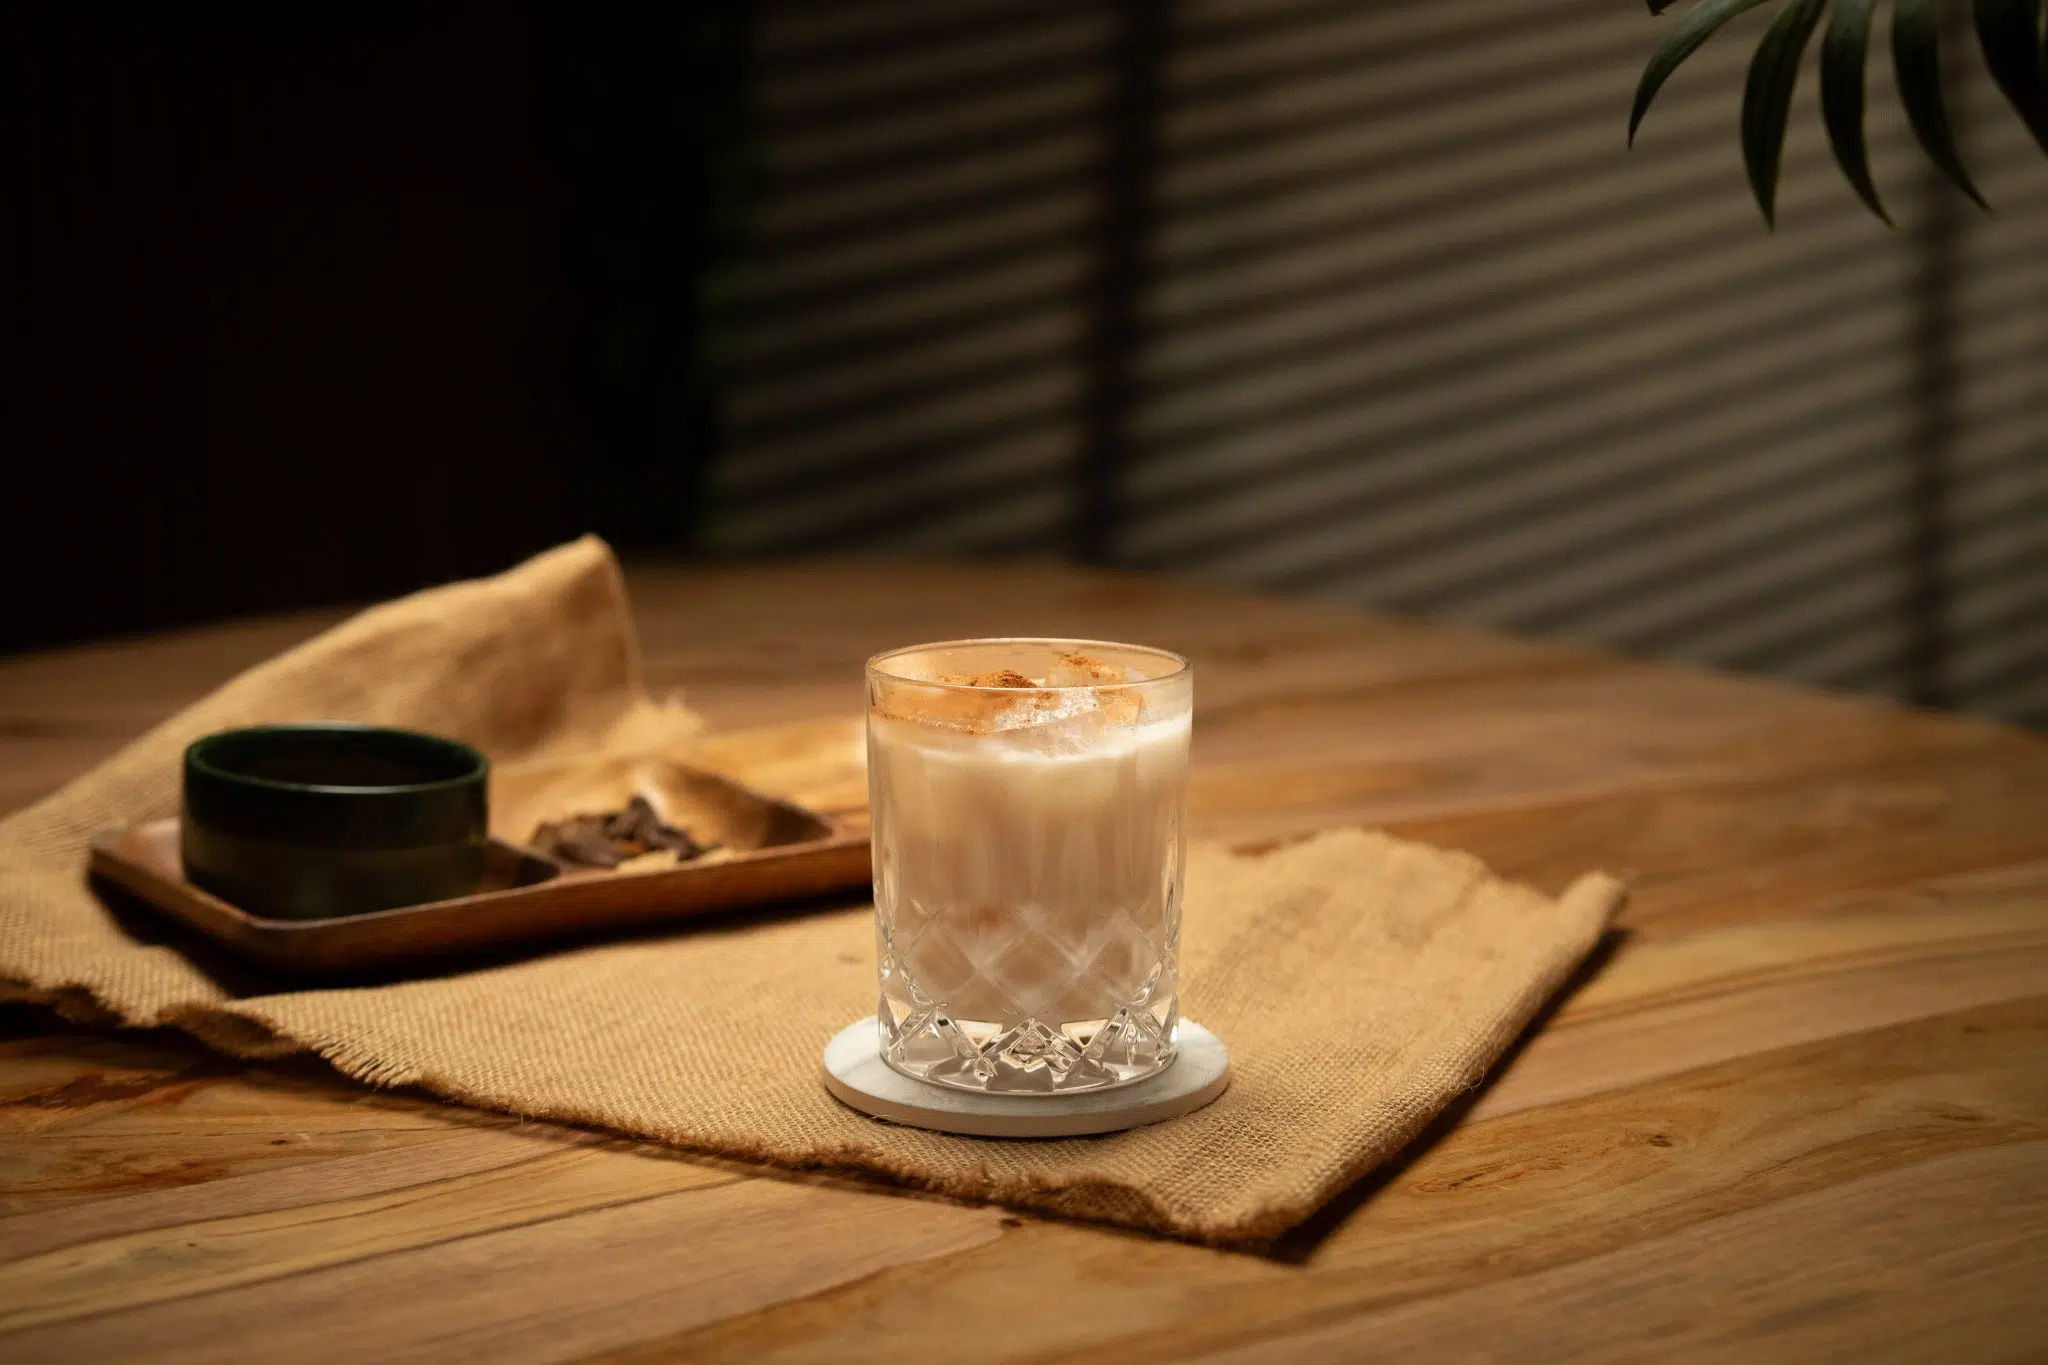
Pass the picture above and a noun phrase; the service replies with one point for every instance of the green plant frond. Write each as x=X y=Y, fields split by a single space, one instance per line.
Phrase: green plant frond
x=1843 y=53
x=1767 y=98
x=2009 y=33
x=1681 y=42
x=1916 y=57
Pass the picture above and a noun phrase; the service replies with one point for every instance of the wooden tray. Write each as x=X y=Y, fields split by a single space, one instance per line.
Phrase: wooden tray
x=781 y=852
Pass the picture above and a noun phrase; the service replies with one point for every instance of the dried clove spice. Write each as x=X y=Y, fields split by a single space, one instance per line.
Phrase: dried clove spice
x=608 y=838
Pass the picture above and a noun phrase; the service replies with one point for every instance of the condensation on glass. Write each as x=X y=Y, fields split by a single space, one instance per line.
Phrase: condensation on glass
x=1029 y=800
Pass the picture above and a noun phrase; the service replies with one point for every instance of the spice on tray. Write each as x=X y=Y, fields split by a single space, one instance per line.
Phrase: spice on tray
x=609 y=838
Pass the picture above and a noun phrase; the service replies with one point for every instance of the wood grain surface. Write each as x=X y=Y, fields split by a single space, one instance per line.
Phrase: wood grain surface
x=1799 y=1111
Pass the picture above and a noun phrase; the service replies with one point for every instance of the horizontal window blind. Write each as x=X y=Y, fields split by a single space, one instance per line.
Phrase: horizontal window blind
x=1367 y=301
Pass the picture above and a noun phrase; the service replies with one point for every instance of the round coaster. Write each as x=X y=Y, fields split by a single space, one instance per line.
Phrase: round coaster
x=857 y=1076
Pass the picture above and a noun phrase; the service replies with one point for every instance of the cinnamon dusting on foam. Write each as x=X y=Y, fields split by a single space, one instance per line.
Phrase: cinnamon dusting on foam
x=1002 y=677
x=987 y=703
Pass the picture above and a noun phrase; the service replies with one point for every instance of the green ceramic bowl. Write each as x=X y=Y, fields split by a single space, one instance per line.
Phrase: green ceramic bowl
x=316 y=821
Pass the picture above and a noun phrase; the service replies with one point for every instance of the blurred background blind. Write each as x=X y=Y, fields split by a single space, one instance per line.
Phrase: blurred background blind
x=1367 y=301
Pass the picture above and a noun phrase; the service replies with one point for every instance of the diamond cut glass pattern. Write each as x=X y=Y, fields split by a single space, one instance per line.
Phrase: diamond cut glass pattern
x=1029 y=801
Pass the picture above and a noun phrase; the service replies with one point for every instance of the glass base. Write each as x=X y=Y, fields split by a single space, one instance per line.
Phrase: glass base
x=1028 y=1057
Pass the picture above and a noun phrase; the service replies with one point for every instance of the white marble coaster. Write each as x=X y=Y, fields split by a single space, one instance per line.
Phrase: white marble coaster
x=856 y=1075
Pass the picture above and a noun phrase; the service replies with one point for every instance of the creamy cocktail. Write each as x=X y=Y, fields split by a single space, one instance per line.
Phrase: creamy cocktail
x=1028 y=799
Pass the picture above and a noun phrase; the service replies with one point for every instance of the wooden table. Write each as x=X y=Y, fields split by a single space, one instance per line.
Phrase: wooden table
x=1800 y=1112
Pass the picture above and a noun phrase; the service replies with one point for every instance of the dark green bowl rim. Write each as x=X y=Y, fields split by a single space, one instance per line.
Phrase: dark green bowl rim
x=477 y=765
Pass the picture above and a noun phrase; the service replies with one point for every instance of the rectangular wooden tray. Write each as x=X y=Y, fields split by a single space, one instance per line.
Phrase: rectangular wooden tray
x=779 y=852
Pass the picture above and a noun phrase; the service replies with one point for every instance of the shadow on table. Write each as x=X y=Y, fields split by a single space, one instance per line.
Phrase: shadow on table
x=1300 y=1245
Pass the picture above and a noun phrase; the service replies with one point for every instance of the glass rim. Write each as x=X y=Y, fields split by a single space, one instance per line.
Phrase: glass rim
x=1181 y=667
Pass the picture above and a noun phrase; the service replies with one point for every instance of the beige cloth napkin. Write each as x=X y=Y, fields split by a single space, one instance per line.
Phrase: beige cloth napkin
x=1361 y=982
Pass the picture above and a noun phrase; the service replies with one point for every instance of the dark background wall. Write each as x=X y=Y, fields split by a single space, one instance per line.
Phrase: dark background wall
x=286 y=309
x=1365 y=299
x=1361 y=299
x=317 y=302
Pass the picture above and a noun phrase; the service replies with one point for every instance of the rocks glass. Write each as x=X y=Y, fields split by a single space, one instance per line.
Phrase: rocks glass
x=1029 y=800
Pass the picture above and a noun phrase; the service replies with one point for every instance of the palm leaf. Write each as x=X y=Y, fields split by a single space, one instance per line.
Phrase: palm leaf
x=1842 y=55
x=2009 y=32
x=1767 y=98
x=1916 y=56
x=1681 y=42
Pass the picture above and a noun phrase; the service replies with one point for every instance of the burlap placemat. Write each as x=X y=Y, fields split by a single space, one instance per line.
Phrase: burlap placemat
x=1362 y=982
